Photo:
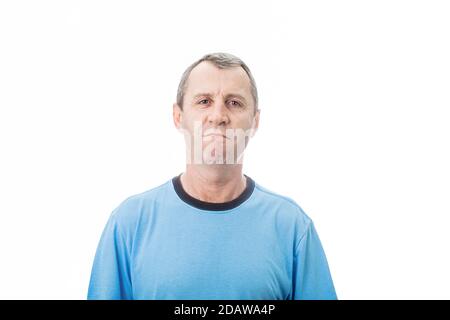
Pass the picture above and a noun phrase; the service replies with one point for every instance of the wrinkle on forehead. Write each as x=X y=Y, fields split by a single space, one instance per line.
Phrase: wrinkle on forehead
x=207 y=78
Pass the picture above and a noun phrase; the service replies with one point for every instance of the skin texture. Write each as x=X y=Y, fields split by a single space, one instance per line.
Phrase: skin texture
x=220 y=113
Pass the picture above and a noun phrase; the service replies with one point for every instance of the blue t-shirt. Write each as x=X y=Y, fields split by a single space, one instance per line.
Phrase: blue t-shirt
x=165 y=244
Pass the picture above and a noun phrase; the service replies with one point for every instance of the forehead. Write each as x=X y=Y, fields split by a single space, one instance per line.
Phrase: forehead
x=206 y=77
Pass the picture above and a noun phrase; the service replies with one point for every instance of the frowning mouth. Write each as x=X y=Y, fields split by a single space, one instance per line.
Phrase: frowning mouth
x=215 y=135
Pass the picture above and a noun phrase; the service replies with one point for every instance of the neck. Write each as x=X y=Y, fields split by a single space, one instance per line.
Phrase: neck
x=213 y=183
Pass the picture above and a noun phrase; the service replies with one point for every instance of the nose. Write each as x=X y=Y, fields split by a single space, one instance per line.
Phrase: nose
x=218 y=115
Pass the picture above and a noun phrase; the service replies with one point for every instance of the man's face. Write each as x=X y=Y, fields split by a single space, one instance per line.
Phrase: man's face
x=218 y=115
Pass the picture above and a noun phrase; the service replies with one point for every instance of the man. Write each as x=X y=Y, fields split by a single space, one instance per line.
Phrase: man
x=211 y=232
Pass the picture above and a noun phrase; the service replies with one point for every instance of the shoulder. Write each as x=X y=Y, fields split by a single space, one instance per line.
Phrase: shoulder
x=287 y=208
x=135 y=208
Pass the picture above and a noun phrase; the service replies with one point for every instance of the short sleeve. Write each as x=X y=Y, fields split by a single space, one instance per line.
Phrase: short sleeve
x=312 y=278
x=110 y=276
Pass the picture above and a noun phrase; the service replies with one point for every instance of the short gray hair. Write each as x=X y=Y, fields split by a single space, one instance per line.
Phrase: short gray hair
x=222 y=61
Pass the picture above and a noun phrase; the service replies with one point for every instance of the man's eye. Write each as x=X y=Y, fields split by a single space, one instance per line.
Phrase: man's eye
x=235 y=103
x=202 y=101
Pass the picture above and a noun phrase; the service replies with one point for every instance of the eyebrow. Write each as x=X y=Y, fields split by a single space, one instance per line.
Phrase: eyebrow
x=198 y=95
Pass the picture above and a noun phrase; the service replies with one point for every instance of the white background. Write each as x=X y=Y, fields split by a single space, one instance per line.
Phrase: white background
x=354 y=126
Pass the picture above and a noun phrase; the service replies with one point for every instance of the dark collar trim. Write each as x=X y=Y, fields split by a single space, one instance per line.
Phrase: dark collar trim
x=213 y=206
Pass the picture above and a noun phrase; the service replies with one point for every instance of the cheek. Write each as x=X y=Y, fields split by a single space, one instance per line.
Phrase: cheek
x=245 y=123
x=187 y=121
x=192 y=117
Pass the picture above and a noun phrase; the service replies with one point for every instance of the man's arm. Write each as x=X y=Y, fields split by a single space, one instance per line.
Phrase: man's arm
x=110 y=276
x=312 y=278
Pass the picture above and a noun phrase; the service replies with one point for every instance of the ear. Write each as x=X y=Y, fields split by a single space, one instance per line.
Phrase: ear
x=177 y=115
x=255 y=124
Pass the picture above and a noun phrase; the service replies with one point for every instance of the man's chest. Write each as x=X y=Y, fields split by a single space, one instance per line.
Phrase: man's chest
x=223 y=264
